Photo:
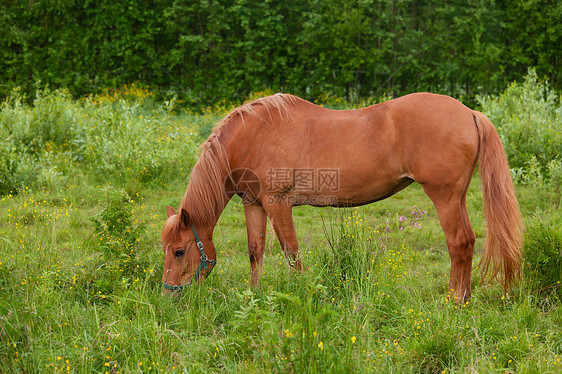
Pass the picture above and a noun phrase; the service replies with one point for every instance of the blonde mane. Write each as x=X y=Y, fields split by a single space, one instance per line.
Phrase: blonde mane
x=205 y=196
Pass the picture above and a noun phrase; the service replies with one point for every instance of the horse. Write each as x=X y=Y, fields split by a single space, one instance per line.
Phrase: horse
x=281 y=151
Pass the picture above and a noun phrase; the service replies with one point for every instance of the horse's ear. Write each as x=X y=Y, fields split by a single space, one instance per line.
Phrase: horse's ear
x=170 y=211
x=184 y=219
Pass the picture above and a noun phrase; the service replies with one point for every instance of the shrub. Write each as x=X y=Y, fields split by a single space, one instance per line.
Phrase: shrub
x=543 y=255
x=117 y=138
x=528 y=117
x=118 y=236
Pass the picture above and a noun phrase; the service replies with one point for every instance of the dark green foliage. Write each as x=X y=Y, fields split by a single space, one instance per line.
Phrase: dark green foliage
x=543 y=255
x=210 y=50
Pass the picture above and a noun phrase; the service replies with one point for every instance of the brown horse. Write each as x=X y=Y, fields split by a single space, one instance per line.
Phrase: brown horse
x=280 y=151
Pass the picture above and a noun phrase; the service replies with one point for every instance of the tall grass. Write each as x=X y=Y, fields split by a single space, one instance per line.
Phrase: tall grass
x=375 y=304
x=543 y=255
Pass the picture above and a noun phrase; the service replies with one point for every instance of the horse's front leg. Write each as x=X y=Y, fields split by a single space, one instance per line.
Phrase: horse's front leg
x=256 y=221
x=282 y=217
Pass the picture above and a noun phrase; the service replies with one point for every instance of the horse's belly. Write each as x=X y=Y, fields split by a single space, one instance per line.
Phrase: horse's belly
x=348 y=193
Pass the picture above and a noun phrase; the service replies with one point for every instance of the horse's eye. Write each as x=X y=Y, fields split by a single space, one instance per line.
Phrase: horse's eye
x=179 y=253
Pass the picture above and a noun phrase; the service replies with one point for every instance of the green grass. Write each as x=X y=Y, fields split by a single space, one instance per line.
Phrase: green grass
x=371 y=297
x=77 y=295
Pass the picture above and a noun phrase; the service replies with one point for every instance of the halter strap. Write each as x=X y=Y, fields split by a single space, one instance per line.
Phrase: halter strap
x=202 y=265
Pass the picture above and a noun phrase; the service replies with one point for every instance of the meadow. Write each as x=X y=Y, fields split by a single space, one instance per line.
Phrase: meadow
x=85 y=184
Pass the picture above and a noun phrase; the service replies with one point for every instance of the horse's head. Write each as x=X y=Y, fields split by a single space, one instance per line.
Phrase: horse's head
x=189 y=254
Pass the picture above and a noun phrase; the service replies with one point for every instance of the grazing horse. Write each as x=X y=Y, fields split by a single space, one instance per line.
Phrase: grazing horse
x=281 y=151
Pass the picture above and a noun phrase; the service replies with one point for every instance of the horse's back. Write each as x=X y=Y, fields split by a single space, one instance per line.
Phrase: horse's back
x=420 y=126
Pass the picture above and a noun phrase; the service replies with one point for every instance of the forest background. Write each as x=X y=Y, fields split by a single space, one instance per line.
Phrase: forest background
x=205 y=51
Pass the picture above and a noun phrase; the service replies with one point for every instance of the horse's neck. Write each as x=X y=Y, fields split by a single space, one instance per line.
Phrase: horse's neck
x=206 y=197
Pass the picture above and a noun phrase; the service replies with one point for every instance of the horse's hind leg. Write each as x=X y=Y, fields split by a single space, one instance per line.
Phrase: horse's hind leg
x=256 y=221
x=451 y=209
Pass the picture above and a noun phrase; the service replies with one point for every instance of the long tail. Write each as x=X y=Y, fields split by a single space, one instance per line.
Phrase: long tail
x=503 y=243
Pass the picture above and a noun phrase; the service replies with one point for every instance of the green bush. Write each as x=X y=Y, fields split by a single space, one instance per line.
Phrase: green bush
x=528 y=117
x=118 y=236
x=117 y=138
x=543 y=255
